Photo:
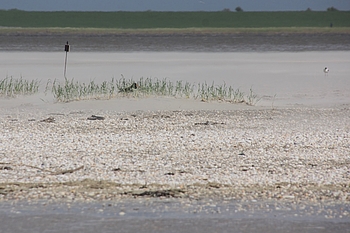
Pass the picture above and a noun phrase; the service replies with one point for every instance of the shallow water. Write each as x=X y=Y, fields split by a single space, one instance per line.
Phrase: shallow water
x=246 y=42
x=172 y=215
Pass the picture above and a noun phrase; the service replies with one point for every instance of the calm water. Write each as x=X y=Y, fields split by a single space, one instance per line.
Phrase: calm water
x=172 y=215
x=179 y=42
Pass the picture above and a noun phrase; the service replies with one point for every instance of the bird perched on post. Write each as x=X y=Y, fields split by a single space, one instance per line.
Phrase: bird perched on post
x=326 y=70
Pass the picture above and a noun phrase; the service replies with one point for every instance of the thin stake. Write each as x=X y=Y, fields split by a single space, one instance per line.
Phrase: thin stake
x=66 y=48
x=65 y=65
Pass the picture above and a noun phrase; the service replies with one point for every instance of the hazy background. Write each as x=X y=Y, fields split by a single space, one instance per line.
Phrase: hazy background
x=173 y=5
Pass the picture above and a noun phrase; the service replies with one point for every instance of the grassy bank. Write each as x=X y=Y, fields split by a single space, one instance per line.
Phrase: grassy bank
x=180 y=20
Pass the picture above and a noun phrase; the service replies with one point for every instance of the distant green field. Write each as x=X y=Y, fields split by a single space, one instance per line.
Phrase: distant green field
x=149 y=19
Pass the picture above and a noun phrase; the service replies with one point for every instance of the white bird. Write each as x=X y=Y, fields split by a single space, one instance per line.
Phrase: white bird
x=326 y=70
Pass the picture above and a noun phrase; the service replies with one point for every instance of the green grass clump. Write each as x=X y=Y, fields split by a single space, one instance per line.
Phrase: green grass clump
x=71 y=90
x=12 y=87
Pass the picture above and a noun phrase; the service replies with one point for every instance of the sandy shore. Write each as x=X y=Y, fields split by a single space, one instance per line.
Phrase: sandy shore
x=293 y=145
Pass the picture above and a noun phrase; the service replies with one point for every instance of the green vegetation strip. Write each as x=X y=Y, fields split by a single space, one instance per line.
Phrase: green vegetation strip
x=71 y=90
x=150 y=19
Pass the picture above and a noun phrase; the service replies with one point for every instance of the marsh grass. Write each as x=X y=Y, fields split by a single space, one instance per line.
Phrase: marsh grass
x=71 y=90
x=12 y=87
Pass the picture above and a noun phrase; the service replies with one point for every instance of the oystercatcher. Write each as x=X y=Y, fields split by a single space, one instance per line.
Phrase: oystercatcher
x=326 y=70
x=129 y=89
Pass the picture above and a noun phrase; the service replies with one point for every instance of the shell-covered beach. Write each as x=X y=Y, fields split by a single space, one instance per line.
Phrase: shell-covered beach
x=298 y=154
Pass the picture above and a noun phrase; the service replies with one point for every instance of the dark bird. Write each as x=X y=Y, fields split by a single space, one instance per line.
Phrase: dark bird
x=129 y=89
